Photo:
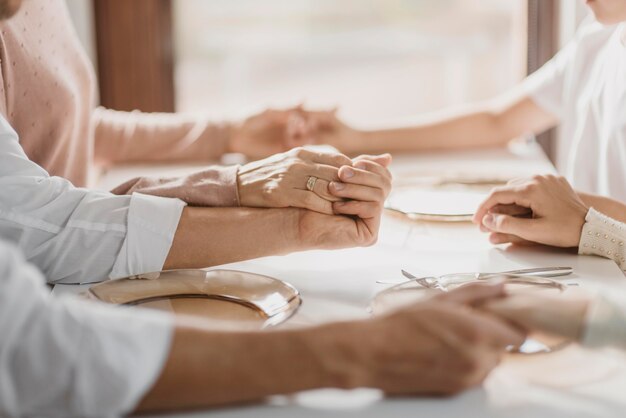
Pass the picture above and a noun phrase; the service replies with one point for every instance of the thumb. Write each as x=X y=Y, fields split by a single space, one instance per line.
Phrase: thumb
x=506 y=224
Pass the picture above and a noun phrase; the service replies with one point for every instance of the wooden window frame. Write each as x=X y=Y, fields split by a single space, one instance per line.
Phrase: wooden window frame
x=136 y=59
x=543 y=43
x=135 y=54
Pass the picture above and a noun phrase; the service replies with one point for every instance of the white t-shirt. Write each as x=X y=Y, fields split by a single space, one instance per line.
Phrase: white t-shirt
x=584 y=85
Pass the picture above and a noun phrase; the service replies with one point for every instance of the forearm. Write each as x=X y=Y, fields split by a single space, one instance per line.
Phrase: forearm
x=441 y=133
x=150 y=137
x=488 y=125
x=605 y=205
x=208 y=368
x=212 y=236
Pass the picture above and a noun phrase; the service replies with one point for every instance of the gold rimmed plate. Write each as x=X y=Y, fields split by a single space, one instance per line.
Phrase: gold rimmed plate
x=434 y=205
x=226 y=298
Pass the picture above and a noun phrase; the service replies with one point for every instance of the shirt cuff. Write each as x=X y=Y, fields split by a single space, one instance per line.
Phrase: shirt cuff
x=603 y=236
x=151 y=226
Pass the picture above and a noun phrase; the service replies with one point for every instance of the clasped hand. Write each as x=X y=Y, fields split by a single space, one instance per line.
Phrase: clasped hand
x=340 y=208
x=543 y=209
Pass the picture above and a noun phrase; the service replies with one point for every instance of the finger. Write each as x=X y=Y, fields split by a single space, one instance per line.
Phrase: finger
x=355 y=175
x=501 y=196
x=383 y=159
x=549 y=314
x=323 y=190
x=474 y=293
x=497 y=238
x=506 y=224
x=512 y=210
x=372 y=167
x=363 y=210
x=332 y=159
x=476 y=328
x=321 y=171
x=297 y=133
x=307 y=200
x=356 y=192
x=496 y=333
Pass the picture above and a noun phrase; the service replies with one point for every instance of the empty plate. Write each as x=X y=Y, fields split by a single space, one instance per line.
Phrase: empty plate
x=411 y=291
x=227 y=298
x=438 y=205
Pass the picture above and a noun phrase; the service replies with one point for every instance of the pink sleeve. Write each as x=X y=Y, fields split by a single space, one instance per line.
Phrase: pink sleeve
x=214 y=186
x=149 y=137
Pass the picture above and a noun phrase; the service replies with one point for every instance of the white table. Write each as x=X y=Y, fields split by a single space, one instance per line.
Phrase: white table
x=340 y=284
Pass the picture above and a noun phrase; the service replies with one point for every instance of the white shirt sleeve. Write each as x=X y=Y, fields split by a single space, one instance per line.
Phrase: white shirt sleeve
x=66 y=357
x=546 y=86
x=77 y=235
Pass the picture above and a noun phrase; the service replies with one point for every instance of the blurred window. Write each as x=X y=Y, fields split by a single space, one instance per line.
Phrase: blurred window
x=377 y=60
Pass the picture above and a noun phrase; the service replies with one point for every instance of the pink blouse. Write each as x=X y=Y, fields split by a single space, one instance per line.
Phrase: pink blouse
x=48 y=92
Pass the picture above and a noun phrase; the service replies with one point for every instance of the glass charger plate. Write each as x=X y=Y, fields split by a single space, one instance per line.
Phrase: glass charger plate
x=435 y=205
x=410 y=292
x=227 y=298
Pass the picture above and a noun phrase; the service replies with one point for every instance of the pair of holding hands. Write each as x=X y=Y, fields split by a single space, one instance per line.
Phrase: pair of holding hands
x=546 y=210
x=341 y=199
x=543 y=210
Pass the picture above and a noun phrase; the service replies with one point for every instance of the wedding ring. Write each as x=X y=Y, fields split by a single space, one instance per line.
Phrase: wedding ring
x=310 y=183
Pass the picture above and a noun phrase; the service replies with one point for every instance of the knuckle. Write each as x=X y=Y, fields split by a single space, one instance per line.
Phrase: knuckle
x=296 y=166
x=341 y=159
x=530 y=187
x=497 y=191
x=300 y=152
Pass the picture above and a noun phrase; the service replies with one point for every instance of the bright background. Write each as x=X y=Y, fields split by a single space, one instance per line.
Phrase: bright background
x=377 y=60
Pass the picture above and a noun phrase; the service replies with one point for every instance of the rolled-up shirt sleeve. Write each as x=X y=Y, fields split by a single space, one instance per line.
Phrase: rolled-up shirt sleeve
x=66 y=357
x=76 y=235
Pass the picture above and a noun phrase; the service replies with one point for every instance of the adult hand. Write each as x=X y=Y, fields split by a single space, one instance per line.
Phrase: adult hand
x=438 y=346
x=558 y=214
x=274 y=131
x=331 y=130
x=355 y=221
x=281 y=181
x=558 y=316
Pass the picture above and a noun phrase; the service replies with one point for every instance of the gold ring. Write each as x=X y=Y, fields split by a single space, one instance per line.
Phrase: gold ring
x=310 y=183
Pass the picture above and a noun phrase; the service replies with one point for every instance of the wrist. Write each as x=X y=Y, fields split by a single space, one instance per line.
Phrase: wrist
x=291 y=224
x=233 y=131
x=580 y=226
x=334 y=348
